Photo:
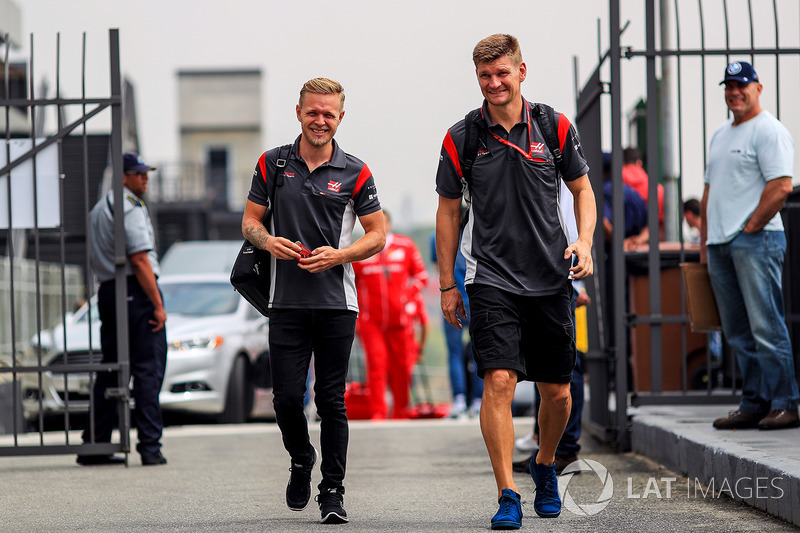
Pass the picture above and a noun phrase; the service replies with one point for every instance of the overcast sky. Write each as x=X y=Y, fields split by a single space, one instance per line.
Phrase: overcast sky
x=406 y=66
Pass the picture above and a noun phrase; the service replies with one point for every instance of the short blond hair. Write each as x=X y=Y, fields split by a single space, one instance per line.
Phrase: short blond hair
x=496 y=46
x=323 y=86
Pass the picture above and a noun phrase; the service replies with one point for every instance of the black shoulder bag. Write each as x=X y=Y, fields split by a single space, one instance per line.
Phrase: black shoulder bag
x=251 y=275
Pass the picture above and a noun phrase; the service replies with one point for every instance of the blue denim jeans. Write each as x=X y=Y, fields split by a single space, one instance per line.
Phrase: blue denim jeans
x=745 y=275
x=293 y=335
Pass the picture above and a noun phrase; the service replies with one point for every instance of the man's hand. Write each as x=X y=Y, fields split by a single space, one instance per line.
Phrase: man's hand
x=143 y=271
x=453 y=307
x=282 y=248
x=585 y=266
x=582 y=299
x=321 y=259
x=159 y=318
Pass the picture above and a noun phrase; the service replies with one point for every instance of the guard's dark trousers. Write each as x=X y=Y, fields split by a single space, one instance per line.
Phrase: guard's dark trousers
x=148 y=360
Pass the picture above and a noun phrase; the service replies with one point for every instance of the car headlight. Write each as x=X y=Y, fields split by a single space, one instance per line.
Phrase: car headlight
x=198 y=343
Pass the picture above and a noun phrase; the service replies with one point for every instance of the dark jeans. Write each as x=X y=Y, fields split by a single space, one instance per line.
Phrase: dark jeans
x=148 y=359
x=294 y=334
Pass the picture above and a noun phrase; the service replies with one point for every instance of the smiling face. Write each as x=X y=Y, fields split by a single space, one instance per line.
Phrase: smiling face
x=743 y=99
x=319 y=116
x=500 y=80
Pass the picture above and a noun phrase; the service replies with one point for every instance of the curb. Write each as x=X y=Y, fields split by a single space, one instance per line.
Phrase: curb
x=715 y=466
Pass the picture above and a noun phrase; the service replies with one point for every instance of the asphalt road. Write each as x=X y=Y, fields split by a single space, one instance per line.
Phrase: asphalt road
x=402 y=477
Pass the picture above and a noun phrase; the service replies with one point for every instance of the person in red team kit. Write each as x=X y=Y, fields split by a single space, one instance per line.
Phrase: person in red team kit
x=417 y=325
x=385 y=283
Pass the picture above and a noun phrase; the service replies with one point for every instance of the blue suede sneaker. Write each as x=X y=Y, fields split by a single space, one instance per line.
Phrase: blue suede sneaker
x=509 y=516
x=547 y=502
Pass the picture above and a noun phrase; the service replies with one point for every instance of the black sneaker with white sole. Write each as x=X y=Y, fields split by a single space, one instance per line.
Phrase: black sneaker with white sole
x=298 y=491
x=331 y=507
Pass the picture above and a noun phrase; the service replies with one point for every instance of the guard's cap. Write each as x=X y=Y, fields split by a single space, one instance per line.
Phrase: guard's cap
x=131 y=162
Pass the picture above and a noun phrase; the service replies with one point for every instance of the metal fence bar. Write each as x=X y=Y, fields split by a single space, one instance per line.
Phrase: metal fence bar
x=87 y=206
x=629 y=53
x=679 y=186
x=777 y=61
x=62 y=243
x=36 y=248
x=12 y=302
x=653 y=157
x=119 y=246
x=618 y=270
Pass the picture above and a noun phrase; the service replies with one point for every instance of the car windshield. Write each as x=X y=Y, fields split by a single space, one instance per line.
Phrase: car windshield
x=199 y=298
x=191 y=299
x=200 y=257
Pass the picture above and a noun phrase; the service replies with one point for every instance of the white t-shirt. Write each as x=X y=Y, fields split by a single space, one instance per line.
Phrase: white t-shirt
x=741 y=160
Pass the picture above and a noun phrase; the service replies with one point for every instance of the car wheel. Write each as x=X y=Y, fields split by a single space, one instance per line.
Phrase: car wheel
x=239 y=396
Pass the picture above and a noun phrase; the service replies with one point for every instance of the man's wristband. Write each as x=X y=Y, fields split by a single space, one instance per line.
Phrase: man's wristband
x=451 y=287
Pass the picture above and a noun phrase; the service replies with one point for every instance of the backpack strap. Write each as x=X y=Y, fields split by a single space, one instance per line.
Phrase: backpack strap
x=546 y=117
x=280 y=163
x=472 y=133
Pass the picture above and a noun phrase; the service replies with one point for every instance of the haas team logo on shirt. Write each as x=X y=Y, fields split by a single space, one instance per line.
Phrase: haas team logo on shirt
x=537 y=148
x=334 y=186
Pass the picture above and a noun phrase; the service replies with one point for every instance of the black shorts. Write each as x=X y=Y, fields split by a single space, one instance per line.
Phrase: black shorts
x=533 y=335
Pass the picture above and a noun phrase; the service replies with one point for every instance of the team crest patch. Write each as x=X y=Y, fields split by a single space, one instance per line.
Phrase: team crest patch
x=537 y=148
x=734 y=68
x=334 y=186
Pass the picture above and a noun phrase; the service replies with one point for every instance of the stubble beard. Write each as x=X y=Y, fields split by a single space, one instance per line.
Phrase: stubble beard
x=316 y=141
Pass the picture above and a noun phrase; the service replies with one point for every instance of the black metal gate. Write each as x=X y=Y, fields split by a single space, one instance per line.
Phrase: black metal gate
x=40 y=371
x=641 y=350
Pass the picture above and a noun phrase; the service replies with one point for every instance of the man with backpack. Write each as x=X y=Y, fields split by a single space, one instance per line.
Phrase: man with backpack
x=507 y=160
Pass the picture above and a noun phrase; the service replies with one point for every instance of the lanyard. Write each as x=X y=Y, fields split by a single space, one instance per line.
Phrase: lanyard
x=529 y=153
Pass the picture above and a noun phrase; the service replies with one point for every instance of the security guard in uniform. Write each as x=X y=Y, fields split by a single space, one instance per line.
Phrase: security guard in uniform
x=146 y=317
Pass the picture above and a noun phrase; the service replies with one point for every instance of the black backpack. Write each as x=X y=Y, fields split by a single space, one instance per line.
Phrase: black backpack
x=474 y=129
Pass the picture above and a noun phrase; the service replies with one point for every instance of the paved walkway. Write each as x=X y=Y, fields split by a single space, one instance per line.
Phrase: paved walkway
x=415 y=476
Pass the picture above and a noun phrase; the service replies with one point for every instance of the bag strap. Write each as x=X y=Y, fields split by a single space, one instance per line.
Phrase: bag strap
x=473 y=129
x=472 y=132
x=280 y=163
x=546 y=117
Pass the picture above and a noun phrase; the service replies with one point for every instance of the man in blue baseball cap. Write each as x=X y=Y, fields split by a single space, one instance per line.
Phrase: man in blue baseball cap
x=747 y=181
x=146 y=317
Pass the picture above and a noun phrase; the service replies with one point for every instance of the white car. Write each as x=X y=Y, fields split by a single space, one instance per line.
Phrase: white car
x=200 y=257
x=217 y=351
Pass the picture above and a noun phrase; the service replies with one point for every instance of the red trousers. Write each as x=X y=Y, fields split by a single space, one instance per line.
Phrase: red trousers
x=387 y=352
